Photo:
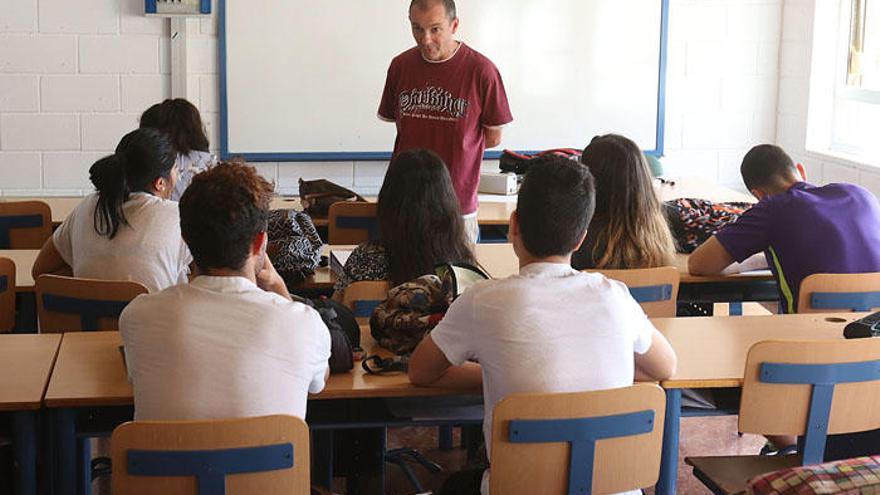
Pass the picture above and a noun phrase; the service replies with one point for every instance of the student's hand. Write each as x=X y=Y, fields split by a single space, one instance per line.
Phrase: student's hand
x=269 y=280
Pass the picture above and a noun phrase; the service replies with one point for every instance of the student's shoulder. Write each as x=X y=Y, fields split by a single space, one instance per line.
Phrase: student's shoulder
x=159 y=302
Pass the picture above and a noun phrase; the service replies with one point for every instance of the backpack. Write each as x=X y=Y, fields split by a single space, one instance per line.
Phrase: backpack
x=294 y=245
x=693 y=221
x=345 y=333
x=414 y=308
x=316 y=196
x=519 y=163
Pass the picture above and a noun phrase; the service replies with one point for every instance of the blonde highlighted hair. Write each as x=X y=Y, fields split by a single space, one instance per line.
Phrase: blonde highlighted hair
x=632 y=228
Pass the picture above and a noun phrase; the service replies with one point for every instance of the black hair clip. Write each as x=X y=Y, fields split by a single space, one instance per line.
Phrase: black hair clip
x=376 y=364
x=666 y=181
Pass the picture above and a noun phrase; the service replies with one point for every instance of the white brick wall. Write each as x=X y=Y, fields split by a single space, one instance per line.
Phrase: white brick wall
x=74 y=76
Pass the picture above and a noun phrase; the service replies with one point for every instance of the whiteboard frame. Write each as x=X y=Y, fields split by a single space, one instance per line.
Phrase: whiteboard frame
x=348 y=156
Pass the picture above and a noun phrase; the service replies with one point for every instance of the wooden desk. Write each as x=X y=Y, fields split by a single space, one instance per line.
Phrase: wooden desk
x=699 y=188
x=25 y=366
x=89 y=371
x=24 y=261
x=712 y=354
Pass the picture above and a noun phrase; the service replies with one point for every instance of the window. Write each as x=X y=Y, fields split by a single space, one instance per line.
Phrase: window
x=856 y=108
x=863 y=60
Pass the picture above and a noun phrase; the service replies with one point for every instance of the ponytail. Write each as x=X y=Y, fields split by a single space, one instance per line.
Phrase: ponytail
x=141 y=157
x=108 y=176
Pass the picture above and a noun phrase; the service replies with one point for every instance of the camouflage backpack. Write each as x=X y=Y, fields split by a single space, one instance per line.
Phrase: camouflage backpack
x=414 y=308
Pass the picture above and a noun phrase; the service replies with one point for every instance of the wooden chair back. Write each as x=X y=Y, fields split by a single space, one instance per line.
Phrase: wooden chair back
x=811 y=388
x=839 y=292
x=267 y=455
x=363 y=297
x=352 y=222
x=655 y=289
x=24 y=224
x=69 y=304
x=7 y=295
x=605 y=441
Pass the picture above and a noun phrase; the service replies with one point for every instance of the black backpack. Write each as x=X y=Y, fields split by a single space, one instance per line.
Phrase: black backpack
x=345 y=333
x=294 y=245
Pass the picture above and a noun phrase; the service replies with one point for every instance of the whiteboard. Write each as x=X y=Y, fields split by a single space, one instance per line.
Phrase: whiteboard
x=301 y=80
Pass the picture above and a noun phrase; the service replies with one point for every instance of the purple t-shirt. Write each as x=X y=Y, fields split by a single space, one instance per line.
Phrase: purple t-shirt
x=807 y=230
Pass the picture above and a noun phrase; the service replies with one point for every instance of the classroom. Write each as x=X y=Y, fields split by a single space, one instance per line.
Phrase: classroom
x=347 y=247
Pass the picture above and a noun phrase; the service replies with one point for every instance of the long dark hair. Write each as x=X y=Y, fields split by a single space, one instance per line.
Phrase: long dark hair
x=181 y=121
x=141 y=157
x=629 y=221
x=420 y=224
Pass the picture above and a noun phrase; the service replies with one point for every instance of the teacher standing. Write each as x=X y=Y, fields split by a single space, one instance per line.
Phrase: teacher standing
x=446 y=97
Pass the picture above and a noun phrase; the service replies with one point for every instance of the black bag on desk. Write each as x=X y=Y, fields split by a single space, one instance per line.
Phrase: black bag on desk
x=294 y=245
x=519 y=163
x=316 y=196
x=345 y=333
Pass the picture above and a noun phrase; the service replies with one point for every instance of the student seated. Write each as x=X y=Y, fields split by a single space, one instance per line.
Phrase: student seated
x=803 y=229
x=628 y=229
x=128 y=229
x=231 y=343
x=419 y=225
x=181 y=121
x=550 y=328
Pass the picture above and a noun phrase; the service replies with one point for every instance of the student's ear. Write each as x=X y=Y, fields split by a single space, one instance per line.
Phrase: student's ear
x=258 y=245
x=802 y=171
x=581 y=242
x=162 y=187
x=758 y=193
x=513 y=229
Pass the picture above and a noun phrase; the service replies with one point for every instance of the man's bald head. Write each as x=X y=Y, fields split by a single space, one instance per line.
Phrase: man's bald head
x=423 y=5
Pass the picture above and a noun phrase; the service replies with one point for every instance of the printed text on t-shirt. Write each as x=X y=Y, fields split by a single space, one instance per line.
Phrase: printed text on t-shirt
x=432 y=99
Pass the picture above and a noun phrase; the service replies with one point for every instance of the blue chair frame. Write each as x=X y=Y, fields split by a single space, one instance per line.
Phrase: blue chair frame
x=854 y=301
x=582 y=434
x=651 y=293
x=210 y=467
x=823 y=378
x=89 y=311
x=370 y=224
x=9 y=222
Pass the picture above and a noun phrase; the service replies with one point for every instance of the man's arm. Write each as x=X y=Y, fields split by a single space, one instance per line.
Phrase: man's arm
x=659 y=363
x=428 y=367
x=269 y=280
x=492 y=136
x=711 y=258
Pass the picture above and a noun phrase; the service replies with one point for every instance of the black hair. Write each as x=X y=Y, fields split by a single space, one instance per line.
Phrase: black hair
x=449 y=5
x=141 y=157
x=181 y=120
x=767 y=165
x=221 y=212
x=555 y=205
x=419 y=219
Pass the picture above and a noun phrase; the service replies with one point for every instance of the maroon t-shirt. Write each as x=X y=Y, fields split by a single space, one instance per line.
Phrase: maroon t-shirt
x=443 y=107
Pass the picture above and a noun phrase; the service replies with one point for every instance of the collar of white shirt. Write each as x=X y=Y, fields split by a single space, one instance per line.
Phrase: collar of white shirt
x=547 y=270
x=223 y=284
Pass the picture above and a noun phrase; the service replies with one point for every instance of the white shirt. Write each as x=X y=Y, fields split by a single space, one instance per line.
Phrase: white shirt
x=549 y=329
x=221 y=347
x=148 y=250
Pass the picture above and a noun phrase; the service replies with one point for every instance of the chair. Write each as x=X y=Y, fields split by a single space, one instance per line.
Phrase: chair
x=7 y=295
x=363 y=297
x=268 y=455
x=831 y=292
x=24 y=224
x=799 y=388
x=352 y=222
x=605 y=441
x=68 y=304
x=655 y=289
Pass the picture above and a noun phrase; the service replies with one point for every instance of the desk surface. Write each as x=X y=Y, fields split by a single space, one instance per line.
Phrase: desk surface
x=24 y=261
x=90 y=372
x=712 y=350
x=494 y=209
x=25 y=365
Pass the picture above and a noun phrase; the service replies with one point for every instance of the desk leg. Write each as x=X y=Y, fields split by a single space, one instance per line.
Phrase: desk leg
x=25 y=438
x=64 y=434
x=669 y=461
x=322 y=457
x=26 y=319
x=366 y=460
